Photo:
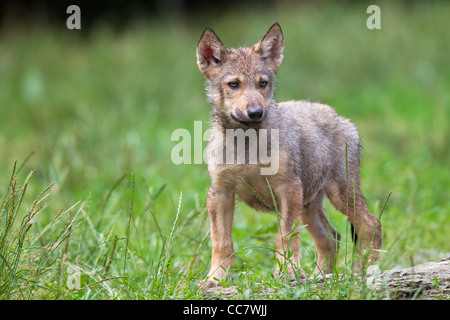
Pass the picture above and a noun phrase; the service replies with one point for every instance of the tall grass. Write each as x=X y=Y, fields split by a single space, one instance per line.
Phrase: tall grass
x=35 y=266
x=25 y=258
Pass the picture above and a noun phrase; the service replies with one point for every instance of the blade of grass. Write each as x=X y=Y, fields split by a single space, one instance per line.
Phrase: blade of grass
x=128 y=227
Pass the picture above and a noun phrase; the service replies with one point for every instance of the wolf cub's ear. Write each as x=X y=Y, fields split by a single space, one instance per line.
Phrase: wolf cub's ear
x=271 y=46
x=211 y=51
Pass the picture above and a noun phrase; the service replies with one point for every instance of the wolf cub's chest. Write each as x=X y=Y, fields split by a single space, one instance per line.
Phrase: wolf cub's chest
x=256 y=190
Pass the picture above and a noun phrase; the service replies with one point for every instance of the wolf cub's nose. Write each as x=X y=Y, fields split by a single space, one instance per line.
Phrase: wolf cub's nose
x=255 y=113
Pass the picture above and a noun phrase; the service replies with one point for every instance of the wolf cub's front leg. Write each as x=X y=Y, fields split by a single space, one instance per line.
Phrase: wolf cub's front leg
x=287 y=241
x=220 y=204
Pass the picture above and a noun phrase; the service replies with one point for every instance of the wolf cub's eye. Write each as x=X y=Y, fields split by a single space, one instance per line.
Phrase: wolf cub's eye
x=263 y=84
x=233 y=84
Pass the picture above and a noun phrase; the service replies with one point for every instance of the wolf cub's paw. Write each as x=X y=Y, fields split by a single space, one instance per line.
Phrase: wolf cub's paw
x=208 y=284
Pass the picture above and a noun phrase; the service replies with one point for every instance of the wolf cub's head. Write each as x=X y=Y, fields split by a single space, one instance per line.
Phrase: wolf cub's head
x=240 y=81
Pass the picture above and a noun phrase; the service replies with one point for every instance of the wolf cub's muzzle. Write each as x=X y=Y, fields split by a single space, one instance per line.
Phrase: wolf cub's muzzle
x=253 y=117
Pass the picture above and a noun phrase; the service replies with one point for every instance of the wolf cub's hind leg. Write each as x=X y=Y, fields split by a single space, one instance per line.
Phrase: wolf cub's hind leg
x=351 y=202
x=325 y=237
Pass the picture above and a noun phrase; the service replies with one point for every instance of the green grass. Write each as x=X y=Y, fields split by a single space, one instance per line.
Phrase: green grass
x=105 y=214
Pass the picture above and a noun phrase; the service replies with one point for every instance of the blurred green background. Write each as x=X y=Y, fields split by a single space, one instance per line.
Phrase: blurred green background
x=91 y=108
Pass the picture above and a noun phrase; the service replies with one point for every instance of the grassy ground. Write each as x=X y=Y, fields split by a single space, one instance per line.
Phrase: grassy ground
x=105 y=214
